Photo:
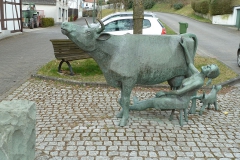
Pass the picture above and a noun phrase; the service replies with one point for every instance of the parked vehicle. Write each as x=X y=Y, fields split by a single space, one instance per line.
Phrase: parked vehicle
x=124 y=25
x=238 y=56
x=126 y=14
x=31 y=17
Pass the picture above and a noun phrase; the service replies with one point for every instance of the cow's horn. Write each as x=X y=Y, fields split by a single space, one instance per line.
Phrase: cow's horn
x=102 y=26
x=87 y=23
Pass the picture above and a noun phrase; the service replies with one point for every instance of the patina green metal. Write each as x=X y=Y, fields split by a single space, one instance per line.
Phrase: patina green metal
x=127 y=60
x=208 y=99
x=180 y=98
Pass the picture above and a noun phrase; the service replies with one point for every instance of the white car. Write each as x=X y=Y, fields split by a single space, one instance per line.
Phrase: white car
x=124 y=25
x=126 y=14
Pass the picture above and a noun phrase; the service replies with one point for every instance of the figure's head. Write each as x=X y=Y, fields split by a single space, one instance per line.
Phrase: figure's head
x=210 y=71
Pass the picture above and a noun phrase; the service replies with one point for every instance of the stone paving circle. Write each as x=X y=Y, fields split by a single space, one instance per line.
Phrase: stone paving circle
x=79 y=123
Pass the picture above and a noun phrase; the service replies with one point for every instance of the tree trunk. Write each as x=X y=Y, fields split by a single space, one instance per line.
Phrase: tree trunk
x=138 y=16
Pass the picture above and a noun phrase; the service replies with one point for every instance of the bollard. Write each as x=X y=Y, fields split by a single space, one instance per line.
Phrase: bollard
x=17 y=130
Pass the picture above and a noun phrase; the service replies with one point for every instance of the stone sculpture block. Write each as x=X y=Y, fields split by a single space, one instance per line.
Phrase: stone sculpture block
x=17 y=130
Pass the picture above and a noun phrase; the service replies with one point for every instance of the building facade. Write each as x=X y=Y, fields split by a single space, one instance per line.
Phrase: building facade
x=10 y=17
x=56 y=9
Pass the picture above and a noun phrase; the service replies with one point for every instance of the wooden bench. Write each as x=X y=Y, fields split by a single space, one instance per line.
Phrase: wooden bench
x=66 y=51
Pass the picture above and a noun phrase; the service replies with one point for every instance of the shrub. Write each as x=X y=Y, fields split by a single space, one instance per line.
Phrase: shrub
x=219 y=7
x=46 y=22
x=201 y=6
x=129 y=4
x=178 y=6
x=148 y=4
x=89 y=13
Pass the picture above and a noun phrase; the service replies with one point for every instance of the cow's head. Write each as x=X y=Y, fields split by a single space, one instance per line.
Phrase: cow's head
x=84 y=36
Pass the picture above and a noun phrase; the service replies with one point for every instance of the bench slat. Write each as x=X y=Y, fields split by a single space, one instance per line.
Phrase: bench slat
x=65 y=49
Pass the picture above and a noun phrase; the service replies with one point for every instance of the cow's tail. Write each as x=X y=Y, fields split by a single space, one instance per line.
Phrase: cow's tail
x=194 y=37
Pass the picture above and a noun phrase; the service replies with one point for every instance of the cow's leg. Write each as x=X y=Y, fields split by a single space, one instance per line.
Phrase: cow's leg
x=120 y=114
x=171 y=116
x=124 y=102
x=186 y=114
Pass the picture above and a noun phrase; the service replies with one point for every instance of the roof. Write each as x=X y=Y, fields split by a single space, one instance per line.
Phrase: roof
x=45 y=2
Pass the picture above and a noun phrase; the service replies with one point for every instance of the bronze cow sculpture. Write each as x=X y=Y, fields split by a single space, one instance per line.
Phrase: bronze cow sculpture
x=127 y=60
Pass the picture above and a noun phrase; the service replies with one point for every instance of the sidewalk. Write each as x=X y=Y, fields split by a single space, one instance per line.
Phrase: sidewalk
x=23 y=54
x=79 y=123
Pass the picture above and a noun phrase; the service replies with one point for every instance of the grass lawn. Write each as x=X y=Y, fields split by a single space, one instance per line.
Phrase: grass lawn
x=88 y=71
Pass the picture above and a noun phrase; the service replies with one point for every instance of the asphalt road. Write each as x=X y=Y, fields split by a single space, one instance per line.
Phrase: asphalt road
x=217 y=41
x=22 y=55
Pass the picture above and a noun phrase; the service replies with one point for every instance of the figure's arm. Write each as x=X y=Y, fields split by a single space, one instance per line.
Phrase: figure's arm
x=188 y=57
x=184 y=90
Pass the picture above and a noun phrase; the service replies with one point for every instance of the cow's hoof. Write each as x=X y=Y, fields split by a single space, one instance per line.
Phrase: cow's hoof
x=123 y=122
x=200 y=113
x=120 y=114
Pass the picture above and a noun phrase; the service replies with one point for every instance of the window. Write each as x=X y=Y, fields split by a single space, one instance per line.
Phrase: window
x=146 y=24
x=59 y=13
x=119 y=25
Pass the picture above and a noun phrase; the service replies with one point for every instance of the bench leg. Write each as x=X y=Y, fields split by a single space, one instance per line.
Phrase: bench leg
x=69 y=66
x=60 y=66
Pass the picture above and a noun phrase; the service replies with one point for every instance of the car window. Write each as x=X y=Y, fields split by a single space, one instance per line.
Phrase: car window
x=146 y=23
x=160 y=23
x=118 y=25
x=111 y=17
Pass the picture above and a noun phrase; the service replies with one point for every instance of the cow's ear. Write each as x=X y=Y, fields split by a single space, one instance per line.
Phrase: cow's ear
x=104 y=37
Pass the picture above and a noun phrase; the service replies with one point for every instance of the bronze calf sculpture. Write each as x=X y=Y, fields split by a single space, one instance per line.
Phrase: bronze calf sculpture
x=208 y=99
x=127 y=60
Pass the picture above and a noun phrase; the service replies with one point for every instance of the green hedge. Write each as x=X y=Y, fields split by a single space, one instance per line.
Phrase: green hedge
x=178 y=6
x=219 y=7
x=200 y=6
x=148 y=4
x=46 y=22
x=89 y=13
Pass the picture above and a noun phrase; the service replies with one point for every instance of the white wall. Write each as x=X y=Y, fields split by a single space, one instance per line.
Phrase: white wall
x=227 y=19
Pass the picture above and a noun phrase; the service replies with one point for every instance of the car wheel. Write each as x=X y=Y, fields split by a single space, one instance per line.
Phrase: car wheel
x=238 y=58
x=31 y=24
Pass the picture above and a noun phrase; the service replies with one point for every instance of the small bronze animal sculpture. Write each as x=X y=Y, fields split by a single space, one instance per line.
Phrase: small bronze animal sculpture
x=127 y=60
x=208 y=99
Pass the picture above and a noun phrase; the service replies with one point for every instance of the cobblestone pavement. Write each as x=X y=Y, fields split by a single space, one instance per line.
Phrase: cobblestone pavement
x=79 y=123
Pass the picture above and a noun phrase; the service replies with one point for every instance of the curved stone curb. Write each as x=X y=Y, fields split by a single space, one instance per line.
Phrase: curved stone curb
x=230 y=82
x=102 y=84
